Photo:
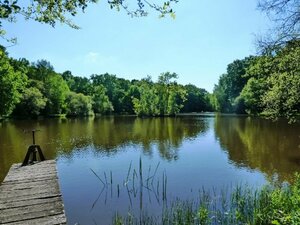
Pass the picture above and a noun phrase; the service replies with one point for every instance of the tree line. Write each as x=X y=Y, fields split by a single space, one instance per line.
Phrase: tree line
x=35 y=89
x=268 y=84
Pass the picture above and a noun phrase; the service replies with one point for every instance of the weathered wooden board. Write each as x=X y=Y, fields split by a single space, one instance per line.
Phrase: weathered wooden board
x=31 y=195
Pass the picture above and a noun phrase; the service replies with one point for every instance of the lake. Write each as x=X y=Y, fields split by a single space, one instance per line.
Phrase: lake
x=119 y=164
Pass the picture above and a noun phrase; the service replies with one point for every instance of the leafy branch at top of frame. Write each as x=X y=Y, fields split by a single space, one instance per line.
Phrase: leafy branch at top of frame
x=53 y=11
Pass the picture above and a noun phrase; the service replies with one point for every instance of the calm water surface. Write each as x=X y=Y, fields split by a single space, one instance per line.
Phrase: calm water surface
x=102 y=161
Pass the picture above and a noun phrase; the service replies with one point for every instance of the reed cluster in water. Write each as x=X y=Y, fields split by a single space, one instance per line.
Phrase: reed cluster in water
x=136 y=182
x=277 y=204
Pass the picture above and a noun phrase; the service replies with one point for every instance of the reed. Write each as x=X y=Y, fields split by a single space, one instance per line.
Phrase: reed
x=273 y=204
x=134 y=183
x=277 y=204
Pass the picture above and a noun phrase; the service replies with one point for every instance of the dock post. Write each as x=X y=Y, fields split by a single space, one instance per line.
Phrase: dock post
x=31 y=152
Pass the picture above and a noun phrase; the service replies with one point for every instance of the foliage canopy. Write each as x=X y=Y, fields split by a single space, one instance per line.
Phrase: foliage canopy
x=268 y=84
x=286 y=16
x=50 y=11
x=35 y=89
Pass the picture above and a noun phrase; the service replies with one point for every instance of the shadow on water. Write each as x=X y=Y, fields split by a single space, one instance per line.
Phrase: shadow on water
x=268 y=146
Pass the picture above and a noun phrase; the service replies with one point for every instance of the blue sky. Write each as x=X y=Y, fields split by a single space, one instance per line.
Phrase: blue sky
x=198 y=45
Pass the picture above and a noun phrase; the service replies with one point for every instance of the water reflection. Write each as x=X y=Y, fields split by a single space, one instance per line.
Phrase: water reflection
x=193 y=153
x=271 y=147
x=107 y=135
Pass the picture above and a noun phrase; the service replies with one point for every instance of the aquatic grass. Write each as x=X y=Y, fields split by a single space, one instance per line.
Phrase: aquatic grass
x=135 y=182
x=97 y=176
x=276 y=203
x=271 y=205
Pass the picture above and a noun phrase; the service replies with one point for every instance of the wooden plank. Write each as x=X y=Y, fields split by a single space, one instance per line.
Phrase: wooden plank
x=28 y=185
x=38 y=179
x=28 y=194
x=25 y=185
x=36 y=201
x=24 y=177
x=28 y=198
x=51 y=220
x=31 y=212
x=31 y=195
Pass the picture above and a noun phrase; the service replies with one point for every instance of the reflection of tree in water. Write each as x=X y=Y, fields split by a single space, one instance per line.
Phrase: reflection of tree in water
x=109 y=134
x=271 y=147
x=167 y=133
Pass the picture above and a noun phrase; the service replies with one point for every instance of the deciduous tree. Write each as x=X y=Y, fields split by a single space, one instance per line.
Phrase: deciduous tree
x=31 y=103
x=77 y=104
x=56 y=90
x=286 y=16
x=101 y=103
x=12 y=84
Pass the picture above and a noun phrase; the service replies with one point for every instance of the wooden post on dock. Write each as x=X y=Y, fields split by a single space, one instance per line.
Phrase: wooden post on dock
x=32 y=151
x=31 y=195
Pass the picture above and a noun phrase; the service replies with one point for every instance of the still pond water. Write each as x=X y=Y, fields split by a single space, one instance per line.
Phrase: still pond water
x=114 y=165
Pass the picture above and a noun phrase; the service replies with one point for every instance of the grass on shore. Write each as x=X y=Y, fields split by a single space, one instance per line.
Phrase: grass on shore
x=273 y=204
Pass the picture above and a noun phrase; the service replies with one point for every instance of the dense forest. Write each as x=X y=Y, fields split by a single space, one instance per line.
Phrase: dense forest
x=35 y=89
x=268 y=84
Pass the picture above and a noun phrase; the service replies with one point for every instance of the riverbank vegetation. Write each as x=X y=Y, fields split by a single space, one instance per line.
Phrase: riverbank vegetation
x=266 y=85
x=276 y=203
x=273 y=204
x=35 y=89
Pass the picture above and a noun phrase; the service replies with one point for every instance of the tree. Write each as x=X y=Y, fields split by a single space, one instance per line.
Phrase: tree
x=286 y=15
x=197 y=99
x=165 y=87
x=252 y=95
x=273 y=87
x=116 y=90
x=231 y=84
x=166 y=78
x=236 y=76
x=78 y=104
x=176 y=98
x=159 y=99
x=101 y=103
x=257 y=85
x=31 y=103
x=41 y=70
x=11 y=85
x=21 y=65
x=147 y=103
x=221 y=101
x=56 y=90
x=50 y=11
x=283 y=96
x=81 y=85
x=130 y=94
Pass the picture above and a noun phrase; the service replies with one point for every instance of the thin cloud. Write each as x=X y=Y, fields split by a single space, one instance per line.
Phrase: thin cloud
x=92 y=57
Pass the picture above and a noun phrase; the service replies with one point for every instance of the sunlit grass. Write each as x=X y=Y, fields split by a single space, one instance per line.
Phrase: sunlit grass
x=273 y=204
x=276 y=203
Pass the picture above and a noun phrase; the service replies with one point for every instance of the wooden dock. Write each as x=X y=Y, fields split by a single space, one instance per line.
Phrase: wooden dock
x=31 y=195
